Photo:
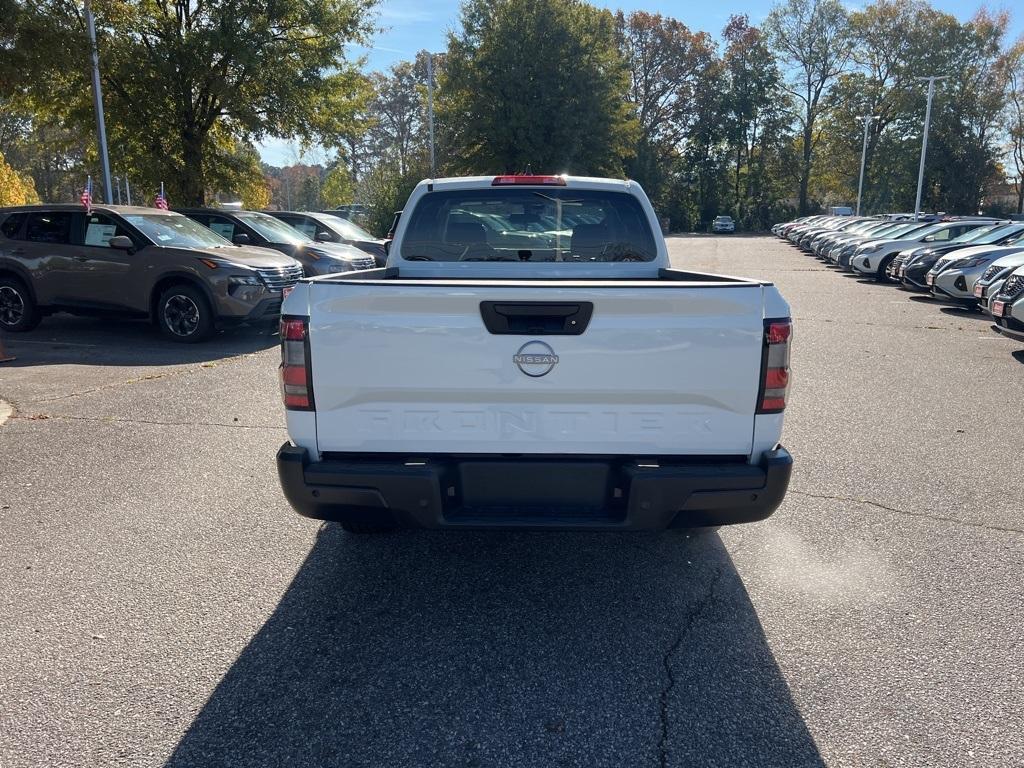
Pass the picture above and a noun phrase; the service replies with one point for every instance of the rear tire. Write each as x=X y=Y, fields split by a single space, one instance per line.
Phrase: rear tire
x=18 y=311
x=183 y=314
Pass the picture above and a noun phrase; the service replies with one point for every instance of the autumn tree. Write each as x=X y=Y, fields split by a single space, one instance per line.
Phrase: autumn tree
x=15 y=188
x=668 y=65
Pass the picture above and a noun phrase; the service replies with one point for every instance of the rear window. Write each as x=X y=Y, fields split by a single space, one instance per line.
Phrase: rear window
x=529 y=225
x=12 y=224
x=53 y=228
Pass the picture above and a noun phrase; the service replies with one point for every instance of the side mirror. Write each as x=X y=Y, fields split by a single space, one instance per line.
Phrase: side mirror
x=241 y=239
x=323 y=237
x=122 y=242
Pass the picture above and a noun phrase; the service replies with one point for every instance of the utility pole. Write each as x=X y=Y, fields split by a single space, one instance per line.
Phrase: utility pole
x=863 y=157
x=97 y=97
x=924 y=142
x=430 y=107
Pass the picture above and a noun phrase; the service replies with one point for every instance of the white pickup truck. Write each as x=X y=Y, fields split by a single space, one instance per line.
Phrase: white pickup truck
x=527 y=358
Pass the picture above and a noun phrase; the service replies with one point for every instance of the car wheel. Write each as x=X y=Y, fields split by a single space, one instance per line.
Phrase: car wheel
x=18 y=312
x=880 y=275
x=183 y=314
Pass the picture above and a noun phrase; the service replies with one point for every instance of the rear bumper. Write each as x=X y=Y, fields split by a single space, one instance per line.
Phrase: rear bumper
x=546 y=493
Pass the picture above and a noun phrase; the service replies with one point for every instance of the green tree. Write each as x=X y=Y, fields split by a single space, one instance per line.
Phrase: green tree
x=338 y=187
x=896 y=42
x=1013 y=116
x=813 y=39
x=535 y=83
x=754 y=117
x=186 y=82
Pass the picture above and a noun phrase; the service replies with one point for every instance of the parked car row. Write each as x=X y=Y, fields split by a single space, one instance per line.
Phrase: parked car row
x=973 y=262
x=188 y=272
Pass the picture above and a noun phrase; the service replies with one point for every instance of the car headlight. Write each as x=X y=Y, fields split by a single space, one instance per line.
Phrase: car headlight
x=975 y=262
x=869 y=248
x=244 y=280
x=245 y=287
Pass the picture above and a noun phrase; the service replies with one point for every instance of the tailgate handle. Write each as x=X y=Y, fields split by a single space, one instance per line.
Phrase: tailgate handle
x=537 y=318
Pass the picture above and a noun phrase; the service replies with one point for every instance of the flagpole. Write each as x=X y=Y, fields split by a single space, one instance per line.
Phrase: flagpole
x=97 y=96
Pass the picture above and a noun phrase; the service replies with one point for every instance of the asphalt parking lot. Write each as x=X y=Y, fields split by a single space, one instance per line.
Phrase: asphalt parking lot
x=162 y=605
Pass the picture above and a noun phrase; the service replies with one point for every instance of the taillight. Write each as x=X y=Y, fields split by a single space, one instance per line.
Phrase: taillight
x=775 y=366
x=296 y=374
x=544 y=181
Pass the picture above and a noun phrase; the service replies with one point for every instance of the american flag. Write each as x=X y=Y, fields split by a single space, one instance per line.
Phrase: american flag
x=87 y=195
x=161 y=199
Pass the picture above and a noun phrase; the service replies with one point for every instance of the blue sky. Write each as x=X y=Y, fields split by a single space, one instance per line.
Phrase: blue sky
x=413 y=25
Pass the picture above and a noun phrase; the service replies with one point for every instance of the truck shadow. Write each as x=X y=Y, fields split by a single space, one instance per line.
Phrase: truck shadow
x=64 y=339
x=492 y=649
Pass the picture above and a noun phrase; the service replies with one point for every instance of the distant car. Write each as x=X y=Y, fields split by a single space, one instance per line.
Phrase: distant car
x=843 y=250
x=723 y=224
x=352 y=212
x=333 y=228
x=916 y=261
x=841 y=210
x=255 y=228
x=134 y=262
x=872 y=258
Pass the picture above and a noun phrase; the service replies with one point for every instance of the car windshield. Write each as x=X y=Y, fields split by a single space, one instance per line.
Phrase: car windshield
x=885 y=229
x=914 y=229
x=550 y=225
x=274 y=230
x=975 y=235
x=993 y=234
x=345 y=228
x=175 y=231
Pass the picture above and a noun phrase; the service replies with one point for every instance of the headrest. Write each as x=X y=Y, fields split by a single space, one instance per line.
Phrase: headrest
x=589 y=235
x=467 y=233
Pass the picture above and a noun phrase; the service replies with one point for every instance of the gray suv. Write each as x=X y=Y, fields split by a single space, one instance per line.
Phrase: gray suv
x=135 y=262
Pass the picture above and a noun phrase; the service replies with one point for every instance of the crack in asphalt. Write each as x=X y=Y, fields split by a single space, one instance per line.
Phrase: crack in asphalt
x=111 y=420
x=921 y=515
x=666 y=661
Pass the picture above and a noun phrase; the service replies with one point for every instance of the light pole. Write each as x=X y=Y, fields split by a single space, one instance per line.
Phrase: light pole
x=863 y=157
x=97 y=97
x=924 y=142
x=430 y=107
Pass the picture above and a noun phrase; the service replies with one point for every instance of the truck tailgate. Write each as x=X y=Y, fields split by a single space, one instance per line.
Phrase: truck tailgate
x=410 y=367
